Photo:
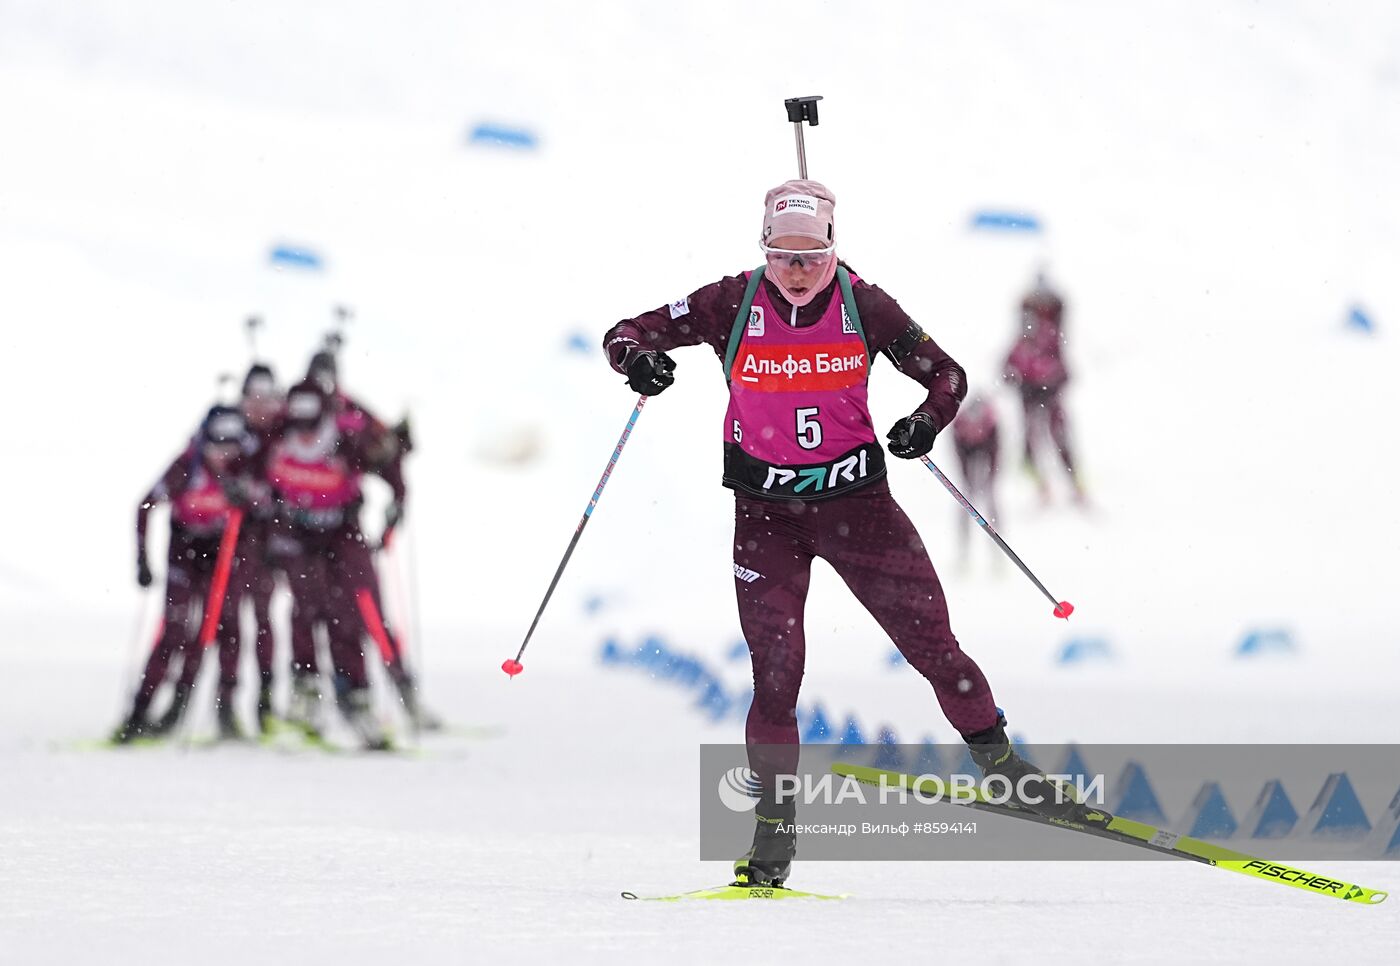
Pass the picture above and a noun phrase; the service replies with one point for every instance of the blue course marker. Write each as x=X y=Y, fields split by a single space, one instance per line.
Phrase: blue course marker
x=1336 y=813
x=1075 y=767
x=930 y=760
x=1266 y=640
x=888 y=754
x=851 y=740
x=993 y=220
x=1359 y=321
x=686 y=670
x=1387 y=834
x=852 y=735
x=503 y=135
x=818 y=728
x=1136 y=799
x=1273 y=815
x=1209 y=816
x=293 y=256
x=714 y=701
x=1085 y=650
x=966 y=765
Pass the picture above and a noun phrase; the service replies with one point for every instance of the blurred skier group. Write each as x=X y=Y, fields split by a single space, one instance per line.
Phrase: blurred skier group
x=267 y=494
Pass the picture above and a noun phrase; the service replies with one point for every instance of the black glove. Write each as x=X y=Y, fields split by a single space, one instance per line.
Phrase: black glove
x=143 y=570
x=404 y=433
x=648 y=372
x=912 y=436
x=238 y=491
x=393 y=515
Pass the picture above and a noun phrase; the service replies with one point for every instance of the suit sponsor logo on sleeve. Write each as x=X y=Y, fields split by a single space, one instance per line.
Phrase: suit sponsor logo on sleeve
x=680 y=307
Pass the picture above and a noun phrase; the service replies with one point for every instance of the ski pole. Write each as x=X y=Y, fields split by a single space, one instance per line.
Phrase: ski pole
x=413 y=616
x=1063 y=608
x=219 y=584
x=512 y=665
x=336 y=337
x=801 y=109
x=408 y=627
x=251 y=325
x=213 y=612
x=136 y=655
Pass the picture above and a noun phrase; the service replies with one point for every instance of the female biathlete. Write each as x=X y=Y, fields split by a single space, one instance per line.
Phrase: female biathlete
x=796 y=339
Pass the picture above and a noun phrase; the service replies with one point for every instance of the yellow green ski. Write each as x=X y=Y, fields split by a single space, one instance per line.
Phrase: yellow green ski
x=1106 y=825
x=736 y=891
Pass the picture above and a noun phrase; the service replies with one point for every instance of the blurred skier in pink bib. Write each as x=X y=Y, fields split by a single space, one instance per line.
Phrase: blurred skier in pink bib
x=201 y=486
x=796 y=339
x=384 y=447
x=1036 y=366
x=977 y=439
x=315 y=468
x=261 y=403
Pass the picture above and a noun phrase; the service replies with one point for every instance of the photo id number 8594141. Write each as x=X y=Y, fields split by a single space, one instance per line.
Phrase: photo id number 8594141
x=945 y=828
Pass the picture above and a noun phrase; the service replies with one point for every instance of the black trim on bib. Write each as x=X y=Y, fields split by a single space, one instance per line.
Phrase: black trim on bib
x=810 y=481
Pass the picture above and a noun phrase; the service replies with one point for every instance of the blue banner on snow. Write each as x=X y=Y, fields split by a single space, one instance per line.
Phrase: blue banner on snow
x=1266 y=640
x=1016 y=221
x=502 y=135
x=1085 y=650
x=295 y=256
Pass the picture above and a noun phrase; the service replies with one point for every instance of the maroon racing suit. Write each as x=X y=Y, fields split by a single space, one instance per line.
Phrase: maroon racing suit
x=860 y=530
x=382 y=448
x=199 y=510
x=316 y=538
x=256 y=577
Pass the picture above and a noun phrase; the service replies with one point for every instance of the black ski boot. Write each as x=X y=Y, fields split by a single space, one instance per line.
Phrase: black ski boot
x=769 y=861
x=266 y=719
x=421 y=717
x=304 y=709
x=355 y=706
x=229 y=729
x=1030 y=789
x=169 y=721
x=134 y=728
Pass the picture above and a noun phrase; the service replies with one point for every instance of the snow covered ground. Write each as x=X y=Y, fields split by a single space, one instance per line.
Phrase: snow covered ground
x=514 y=849
x=1216 y=185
